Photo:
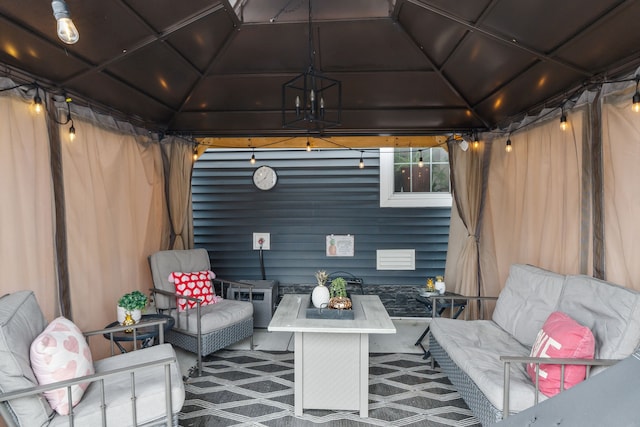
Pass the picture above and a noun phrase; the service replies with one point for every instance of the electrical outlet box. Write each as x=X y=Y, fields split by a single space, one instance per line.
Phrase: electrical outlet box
x=263 y=239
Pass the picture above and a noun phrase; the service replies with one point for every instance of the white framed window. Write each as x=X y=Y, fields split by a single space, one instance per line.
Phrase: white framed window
x=406 y=184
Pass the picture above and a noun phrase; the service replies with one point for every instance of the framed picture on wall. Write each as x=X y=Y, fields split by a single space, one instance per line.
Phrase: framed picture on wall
x=340 y=245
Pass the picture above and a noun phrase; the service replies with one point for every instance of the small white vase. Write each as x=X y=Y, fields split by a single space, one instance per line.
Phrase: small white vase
x=122 y=314
x=320 y=296
x=440 y=287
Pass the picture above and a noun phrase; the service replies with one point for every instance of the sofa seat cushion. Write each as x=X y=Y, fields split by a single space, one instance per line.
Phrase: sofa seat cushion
x=530 y=295
x=476 y=347
x=214 y=317
x=149 y=397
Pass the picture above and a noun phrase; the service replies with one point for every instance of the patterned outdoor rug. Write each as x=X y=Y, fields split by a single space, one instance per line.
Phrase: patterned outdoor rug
x=255 y=388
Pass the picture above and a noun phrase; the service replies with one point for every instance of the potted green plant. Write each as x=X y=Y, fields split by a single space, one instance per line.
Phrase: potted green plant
x=130 y=307
x=338 y=291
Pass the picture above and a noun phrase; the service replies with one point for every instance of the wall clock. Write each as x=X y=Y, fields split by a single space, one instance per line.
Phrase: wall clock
x=265 y=178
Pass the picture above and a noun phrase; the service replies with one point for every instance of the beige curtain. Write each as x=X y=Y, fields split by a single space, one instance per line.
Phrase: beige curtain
x=178 y=157
x=114 y=190
x=621 y=160
x=533 y=208
x=462 y=268
x=27 y=256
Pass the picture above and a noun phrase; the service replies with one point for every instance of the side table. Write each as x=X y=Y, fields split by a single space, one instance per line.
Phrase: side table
x=146 y=334
x=440 y=306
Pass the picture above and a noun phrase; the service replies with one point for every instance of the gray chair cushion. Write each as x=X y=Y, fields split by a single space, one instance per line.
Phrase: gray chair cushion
x=164 y=263
x=214 y=317
x=528 y=298
x=21 y=321
x=150 y=394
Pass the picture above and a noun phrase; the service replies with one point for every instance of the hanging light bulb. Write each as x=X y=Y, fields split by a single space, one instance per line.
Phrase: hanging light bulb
x=67 y=31
x=420 y=162
x=635 y=106
x=72 y=132
x=476 y=142
x=508 y=148
x=308 y=145
x=361 y=164
x=195 y=153
x=253 y=159
x=37 y=102
x=563 y=122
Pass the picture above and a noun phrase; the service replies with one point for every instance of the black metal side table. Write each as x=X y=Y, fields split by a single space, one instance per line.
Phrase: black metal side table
x=441 y=305
x=146 y=334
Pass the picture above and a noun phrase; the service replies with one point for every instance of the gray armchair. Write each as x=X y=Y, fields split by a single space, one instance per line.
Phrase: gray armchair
x=205 y=328
x=140 y=388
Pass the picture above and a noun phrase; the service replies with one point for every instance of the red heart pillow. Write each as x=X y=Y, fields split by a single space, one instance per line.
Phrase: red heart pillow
x=561 y=337
x=195 y=284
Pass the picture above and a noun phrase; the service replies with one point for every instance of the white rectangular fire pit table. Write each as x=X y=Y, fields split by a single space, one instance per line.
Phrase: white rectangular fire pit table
x=331 y=356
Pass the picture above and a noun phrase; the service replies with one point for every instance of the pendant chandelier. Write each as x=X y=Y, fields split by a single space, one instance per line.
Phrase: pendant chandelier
x=311 y=101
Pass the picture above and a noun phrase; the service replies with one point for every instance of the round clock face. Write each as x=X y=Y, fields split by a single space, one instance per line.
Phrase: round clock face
x=265 y=178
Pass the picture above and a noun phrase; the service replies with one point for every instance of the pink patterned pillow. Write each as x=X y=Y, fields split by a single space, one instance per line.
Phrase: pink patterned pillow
x=561 y=337
x=196 y=284
x=60 y=353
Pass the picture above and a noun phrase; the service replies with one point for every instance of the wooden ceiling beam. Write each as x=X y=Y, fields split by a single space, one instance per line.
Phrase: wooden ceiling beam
x=326 y=142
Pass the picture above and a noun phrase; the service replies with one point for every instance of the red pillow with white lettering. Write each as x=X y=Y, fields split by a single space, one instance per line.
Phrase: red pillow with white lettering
x=196 y=284
x=561 y=337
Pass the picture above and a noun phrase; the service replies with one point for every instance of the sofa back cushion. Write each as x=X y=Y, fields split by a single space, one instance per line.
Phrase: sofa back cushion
x=530 y=295
x=610 y=311
x=21 y=321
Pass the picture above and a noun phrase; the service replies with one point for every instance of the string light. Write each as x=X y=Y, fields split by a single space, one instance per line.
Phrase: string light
x=72 y=129
x=253 y=159
x=476 y=142
x=563 y=122
x=508 y=148
x=308 y=145
x=195 y=153
x=37 y=101
x=361 y=164
x=636 y=98
x=420 y=162
x=67 y=31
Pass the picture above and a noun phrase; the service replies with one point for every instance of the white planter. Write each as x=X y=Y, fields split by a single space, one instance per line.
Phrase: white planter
x=320 y=296
x=136 y=315
x=440 y=287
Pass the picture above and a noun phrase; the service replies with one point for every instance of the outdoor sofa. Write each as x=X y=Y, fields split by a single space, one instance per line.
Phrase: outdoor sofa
x=486 y=360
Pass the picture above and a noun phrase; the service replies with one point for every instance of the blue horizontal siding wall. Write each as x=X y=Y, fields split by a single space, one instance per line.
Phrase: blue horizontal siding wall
x=318 y=193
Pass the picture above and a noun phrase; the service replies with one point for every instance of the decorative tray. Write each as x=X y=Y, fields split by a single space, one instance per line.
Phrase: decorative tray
x=328 y=313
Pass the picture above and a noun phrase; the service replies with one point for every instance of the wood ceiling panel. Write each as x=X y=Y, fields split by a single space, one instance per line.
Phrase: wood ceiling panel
x=530 y=89
x=613 y=39
x=372 y=45
x=122 y=98
x=27 y=51
x=265 y=49
x=165 y=76
x=435 y=34
x=396 y=89
x=161 y=14
x=237 y=93
x=531 y=23
x=201 y=41
x=481 y=65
